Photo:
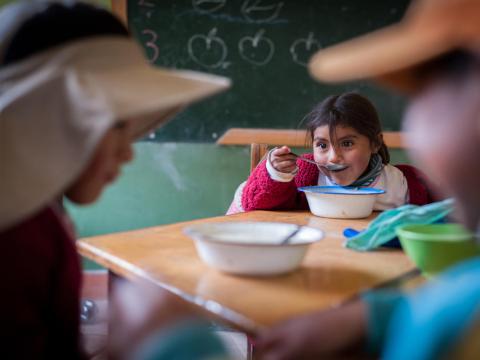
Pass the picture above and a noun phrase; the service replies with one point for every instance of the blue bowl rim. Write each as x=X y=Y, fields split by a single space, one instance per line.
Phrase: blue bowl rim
x=348 y=189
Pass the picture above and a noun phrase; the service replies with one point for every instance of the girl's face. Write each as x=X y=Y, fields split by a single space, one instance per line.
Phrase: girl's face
x=349 y=148
x=111 y=153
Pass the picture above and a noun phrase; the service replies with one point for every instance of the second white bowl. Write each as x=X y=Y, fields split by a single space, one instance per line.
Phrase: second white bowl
x=252 y=248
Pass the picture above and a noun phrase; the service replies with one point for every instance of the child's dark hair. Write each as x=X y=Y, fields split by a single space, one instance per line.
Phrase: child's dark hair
x=58 y=23
x=349 y=109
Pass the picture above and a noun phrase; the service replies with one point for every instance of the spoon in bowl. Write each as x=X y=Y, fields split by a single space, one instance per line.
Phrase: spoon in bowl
x=287 y=239
x=329 y=167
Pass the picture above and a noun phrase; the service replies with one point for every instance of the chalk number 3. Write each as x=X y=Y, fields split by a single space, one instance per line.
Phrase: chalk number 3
x=151 y=44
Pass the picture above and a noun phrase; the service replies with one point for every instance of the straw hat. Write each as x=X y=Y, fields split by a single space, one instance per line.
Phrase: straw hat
x=393 y=54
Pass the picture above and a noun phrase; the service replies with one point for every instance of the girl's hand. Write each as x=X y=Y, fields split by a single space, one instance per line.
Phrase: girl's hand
x=336 y=333
x=282 y=160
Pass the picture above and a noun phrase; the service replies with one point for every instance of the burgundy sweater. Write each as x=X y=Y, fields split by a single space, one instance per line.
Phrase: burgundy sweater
x=40 y=290
x=263 y=193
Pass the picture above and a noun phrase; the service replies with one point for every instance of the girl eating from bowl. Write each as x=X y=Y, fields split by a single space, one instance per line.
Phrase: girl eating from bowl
x=348 y=149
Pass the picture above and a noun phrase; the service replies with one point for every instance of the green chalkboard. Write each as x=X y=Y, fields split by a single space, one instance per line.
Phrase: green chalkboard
x=263 y=46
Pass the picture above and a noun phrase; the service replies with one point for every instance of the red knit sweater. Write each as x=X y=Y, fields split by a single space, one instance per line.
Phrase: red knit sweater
x=263 y=193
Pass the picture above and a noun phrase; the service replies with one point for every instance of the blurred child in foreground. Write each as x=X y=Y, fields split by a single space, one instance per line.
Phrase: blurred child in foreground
x=75 y=91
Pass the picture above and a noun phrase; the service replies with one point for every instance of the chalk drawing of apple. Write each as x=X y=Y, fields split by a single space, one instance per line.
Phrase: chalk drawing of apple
x=208 y=6
x=257 y=49
x=255 y=11
x=208 y=50
x=302 y=49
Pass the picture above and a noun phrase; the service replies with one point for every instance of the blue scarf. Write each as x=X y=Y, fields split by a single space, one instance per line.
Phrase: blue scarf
x=375 y=167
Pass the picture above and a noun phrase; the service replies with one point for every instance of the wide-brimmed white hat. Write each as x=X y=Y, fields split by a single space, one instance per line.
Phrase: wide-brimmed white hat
x=393 y=54
x=56 y=105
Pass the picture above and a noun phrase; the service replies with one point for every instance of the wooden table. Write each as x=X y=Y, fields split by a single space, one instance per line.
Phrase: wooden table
x=329 y=276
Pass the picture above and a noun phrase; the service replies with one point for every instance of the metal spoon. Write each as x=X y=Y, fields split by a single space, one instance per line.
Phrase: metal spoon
x=290 y=236
x=334 y=167
x=329 y=167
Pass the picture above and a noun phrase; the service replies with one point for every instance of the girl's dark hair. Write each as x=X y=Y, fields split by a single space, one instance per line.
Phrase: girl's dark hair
x=60 y=23
x=349 y=109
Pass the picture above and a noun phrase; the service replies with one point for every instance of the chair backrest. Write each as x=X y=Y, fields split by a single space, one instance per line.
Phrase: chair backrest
x=257 y=153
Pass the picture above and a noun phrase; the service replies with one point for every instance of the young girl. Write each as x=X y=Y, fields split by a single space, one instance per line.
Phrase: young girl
x=345 y=132
x=75 y=91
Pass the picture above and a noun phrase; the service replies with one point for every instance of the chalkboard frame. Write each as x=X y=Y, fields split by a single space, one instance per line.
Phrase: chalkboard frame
x=119 y=8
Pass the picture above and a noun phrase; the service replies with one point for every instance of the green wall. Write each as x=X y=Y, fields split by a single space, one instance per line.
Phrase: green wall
x=166 y=182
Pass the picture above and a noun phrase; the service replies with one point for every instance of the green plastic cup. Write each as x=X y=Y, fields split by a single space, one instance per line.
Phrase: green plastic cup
x=435 y=247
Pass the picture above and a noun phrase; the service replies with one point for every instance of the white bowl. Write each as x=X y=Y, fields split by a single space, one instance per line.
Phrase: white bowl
x=341 y=202
x=252 y=248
